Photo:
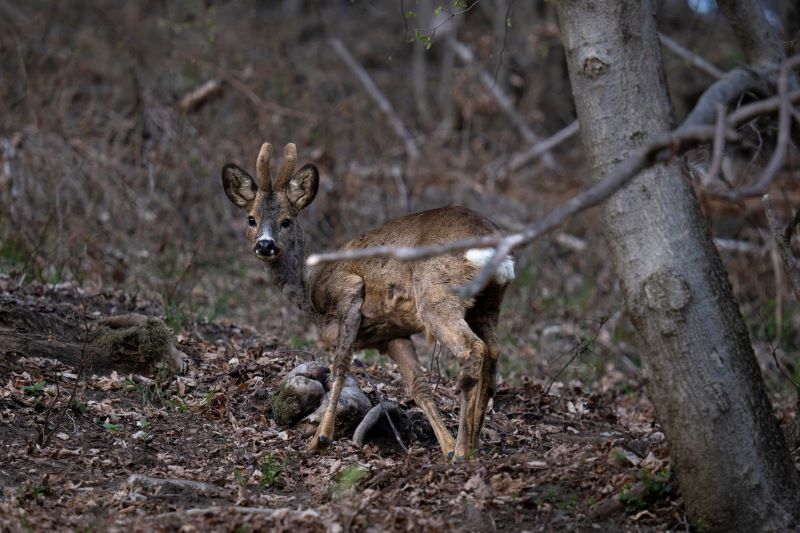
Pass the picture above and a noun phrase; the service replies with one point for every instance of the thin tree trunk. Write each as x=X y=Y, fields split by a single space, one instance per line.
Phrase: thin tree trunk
x=730 y=458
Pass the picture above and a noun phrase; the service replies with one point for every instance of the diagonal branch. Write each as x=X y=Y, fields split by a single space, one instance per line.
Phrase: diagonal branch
x=377 y=96
x=784 y=131
x=466 y=55
x=690 y=57
x=723 y=91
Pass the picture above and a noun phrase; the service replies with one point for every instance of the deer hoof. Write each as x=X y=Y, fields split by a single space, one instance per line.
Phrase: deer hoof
x=319 y=443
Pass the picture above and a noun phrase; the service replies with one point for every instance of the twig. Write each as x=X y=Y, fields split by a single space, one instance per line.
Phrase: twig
x=48 y=436
x=377 y=96
x=505 y=39
x=723 y=91
x=690 y=57
x=451 y=14
x=262 y=103
x=544 y=146
x=789 y=231
x=580 y=349
x=719 y=144
x=385 y=412
x=784 y=131
x=790 y=263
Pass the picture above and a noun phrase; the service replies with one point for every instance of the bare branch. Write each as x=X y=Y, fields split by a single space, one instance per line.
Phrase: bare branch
x=784 y=131
x=567 y=132
x=690 y=57
x=723 y=91
x=466 y=55
x=719 y=144
x=256 y=100
x=377 y=96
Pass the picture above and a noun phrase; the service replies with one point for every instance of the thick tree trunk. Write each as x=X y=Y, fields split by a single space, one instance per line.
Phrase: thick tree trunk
x=731 y=462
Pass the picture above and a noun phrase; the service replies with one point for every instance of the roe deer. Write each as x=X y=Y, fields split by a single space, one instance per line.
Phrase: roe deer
x=379 y=303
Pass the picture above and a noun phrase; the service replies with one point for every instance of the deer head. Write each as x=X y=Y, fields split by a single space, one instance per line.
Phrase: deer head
x=272 y=207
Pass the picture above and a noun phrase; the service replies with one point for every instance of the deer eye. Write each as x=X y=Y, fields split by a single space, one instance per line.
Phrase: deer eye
x=286 y=223
x=251 y=221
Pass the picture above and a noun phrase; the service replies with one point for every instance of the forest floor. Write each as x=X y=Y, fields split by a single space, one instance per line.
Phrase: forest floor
x=201 y=451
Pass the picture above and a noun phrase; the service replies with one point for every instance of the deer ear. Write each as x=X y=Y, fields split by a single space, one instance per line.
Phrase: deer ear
x=302 y=187
x=239 y=185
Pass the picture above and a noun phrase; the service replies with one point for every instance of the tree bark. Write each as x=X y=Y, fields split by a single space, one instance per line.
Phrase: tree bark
x=729 y=456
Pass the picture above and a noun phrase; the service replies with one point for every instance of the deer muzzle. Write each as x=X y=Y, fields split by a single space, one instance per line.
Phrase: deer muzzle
x=266 y=248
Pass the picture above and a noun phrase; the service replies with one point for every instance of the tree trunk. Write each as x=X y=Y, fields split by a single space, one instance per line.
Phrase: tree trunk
x=729 y=456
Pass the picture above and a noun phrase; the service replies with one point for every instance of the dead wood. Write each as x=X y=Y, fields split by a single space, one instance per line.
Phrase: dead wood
x=377 y=96
x=128 y=343
x=171 y=483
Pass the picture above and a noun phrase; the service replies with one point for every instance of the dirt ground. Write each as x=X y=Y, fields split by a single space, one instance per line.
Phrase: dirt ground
x=555 y=456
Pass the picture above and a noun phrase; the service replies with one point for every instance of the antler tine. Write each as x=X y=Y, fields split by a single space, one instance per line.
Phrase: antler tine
x=289 y=159
x=262 y=167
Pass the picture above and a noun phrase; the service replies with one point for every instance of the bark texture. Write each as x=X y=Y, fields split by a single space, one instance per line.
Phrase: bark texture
x=729 y=455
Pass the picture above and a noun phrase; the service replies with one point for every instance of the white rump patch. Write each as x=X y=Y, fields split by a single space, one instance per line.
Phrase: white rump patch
x=480 y=256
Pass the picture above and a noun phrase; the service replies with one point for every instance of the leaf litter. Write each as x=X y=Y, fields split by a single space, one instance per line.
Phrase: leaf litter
x=202 y=452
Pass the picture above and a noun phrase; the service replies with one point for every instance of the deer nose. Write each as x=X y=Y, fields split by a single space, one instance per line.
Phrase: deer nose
x=266 y=248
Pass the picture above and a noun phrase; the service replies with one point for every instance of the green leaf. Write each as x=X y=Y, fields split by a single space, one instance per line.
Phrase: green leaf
x=460 y=3
x=423 y=38
x=35 y=389
x=411 y=14
x=438 y=11
x=108 y=426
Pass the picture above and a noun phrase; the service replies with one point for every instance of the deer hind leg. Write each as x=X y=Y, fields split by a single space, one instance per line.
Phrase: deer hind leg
x=442 y=314
x=403 y=353
x=482 y=318
x=349 y=322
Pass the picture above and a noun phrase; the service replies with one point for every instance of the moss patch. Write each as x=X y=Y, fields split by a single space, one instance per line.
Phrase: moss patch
x=150 y=340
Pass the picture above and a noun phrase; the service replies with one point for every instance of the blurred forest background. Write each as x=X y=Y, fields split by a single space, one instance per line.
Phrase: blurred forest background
x=109 y=167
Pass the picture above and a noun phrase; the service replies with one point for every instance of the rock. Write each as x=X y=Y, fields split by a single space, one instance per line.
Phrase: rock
x=353 y=406
x=312 y=370
x=296 y=397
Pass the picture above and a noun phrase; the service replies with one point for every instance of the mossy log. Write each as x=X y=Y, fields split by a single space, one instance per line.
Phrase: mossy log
x=127 y=343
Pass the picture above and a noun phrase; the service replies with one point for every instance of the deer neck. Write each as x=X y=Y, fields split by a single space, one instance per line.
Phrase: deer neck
x=289 y=274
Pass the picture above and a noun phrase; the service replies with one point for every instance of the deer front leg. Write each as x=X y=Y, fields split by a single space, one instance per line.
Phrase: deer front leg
x=349 y=322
